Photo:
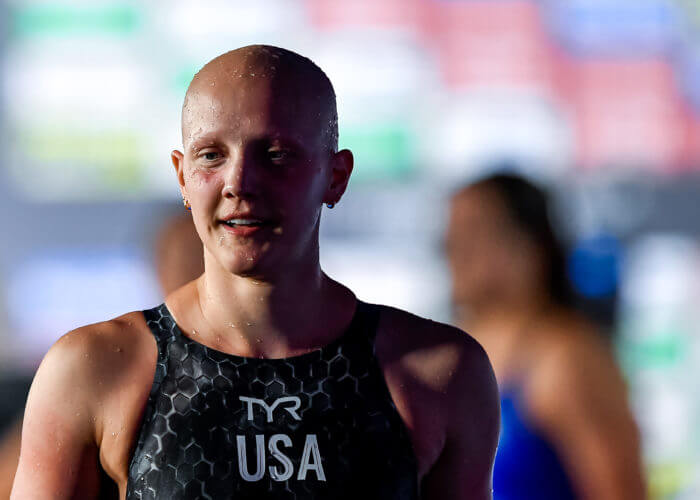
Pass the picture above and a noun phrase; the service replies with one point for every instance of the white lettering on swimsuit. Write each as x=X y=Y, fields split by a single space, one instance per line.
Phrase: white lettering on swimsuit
x=310 y=457
x=271 y=408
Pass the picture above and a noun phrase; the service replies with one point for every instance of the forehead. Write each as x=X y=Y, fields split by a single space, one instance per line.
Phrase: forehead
x=477 y=207
x=245 y=106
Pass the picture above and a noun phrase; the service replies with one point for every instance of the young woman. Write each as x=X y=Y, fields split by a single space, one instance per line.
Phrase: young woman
x=567 y=431
x=264 y=378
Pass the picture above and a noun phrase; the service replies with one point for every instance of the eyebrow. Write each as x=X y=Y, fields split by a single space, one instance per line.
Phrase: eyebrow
x=202 y=142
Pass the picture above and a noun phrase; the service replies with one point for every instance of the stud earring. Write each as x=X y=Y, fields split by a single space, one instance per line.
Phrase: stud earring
x=186 y=203
x=330 y=205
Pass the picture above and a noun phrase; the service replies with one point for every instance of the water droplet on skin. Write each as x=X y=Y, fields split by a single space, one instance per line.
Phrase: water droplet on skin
x=249 y=324
x=194 y=332
x=259 y=341
x=221 y=241
x=252 y=74
x=232 y=325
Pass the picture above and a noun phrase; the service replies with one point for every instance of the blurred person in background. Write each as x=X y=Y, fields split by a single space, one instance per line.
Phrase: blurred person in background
x=178 y=259
x=370 y=400
x=9 y=453
x=178 y=254
x=567 y=431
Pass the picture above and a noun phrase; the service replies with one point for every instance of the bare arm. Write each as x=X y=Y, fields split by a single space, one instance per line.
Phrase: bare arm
x=465 y=467
x=581 y=404
x=58 y=458
x=9 y=454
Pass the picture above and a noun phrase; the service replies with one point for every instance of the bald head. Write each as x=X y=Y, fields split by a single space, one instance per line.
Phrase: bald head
x=293 y=81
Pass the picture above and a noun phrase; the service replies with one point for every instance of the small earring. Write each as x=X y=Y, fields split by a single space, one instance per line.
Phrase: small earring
x=330 y=205
x=186 y=203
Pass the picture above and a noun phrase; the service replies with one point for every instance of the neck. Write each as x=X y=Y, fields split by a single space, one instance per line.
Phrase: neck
x=514 y=309
x=258 y=317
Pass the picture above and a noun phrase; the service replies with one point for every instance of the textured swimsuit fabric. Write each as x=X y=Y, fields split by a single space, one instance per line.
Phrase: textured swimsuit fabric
x=317 y=426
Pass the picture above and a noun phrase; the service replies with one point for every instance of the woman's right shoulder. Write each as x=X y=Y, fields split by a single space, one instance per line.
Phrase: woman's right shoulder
x=107 y=347
x=110 y=334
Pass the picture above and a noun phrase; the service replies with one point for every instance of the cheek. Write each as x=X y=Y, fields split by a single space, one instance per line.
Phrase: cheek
x=202 y=184
x=300 y=196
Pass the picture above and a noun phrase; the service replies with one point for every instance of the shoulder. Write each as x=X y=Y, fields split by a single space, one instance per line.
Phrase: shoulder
x=446 y=359
x=92 y=358
x=573 y=349
x=407 y=336
x=102 y=340
x=577 y=371
x=416 y=332
x=77 y=391
x=453 y=392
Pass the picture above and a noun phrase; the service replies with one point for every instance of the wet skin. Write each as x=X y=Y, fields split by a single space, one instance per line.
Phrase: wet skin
x=254 y=148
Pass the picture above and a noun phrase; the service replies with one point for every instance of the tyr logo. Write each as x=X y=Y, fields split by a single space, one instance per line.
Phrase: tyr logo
x=269 y=409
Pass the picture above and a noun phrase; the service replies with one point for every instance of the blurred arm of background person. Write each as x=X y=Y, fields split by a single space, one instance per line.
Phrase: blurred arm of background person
x=579 y=398
x=567 y=430
x=178 y=259
x=9 y=455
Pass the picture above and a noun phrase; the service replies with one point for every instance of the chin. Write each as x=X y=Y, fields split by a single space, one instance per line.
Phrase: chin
x=247 y=265
x=243 y=267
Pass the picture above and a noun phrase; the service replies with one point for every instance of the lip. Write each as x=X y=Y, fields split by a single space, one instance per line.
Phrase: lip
x=243 y=215
x=244 y=230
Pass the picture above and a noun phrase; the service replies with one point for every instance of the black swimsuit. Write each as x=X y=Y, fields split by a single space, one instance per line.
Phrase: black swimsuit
x=321 y=425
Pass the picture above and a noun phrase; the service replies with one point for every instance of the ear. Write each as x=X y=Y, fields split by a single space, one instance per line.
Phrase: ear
x=178 y=160
x=341 y=164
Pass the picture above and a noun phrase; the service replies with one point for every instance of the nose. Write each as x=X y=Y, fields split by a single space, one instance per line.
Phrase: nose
x=240 y=177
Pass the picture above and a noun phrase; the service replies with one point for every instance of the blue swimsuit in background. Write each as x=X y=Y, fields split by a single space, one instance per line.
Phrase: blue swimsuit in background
x=526 y=468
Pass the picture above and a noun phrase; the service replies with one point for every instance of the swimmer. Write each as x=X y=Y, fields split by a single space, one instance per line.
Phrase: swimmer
x=263 y=378
x=567 y=428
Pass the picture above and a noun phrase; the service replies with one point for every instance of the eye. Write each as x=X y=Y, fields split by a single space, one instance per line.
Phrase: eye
x=278 y=155
x=211 y=155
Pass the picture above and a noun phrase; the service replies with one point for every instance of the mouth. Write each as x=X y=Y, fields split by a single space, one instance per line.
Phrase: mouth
x=245 y=226
x=244 y=222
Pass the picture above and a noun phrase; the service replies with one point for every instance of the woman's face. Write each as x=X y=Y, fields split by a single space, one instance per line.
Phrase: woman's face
x=255 y=170
x=482 y=248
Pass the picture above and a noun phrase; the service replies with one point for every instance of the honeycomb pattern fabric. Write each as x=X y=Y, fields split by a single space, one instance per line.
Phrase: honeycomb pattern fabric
x=321 y=425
